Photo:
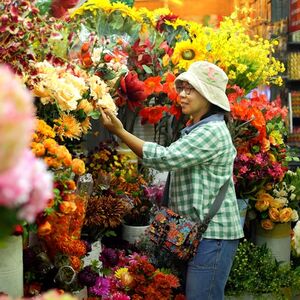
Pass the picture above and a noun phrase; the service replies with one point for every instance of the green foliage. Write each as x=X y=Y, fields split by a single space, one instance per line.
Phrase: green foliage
x=43 y=6
x=8 y=218
x=127 y=2
x=255 y=271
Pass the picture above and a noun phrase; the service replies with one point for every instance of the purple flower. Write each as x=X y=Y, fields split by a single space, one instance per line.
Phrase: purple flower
x=101 y=287
x=87 y=276
x=109 y=258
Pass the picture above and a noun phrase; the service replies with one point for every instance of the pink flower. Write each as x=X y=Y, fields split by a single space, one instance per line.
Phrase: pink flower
x=27 y=185
x=16 y=118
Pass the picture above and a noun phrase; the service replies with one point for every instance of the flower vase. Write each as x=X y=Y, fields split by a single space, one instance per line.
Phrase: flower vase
x=11 y=267
x=243 y=205
x=132 y=234
x=278 y=240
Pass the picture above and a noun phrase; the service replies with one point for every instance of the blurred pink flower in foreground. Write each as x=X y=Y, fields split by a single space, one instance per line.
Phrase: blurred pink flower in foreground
x=25 y=183
x=16 y=118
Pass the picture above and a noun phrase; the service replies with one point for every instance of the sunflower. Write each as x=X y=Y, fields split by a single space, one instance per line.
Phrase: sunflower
x=185 y=53
x=67 y=127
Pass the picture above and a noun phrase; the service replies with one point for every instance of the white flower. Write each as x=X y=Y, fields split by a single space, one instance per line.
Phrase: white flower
x=295 y=216
x=297 y=237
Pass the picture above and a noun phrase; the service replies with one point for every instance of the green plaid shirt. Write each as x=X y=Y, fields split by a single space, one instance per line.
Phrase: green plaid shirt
x=200 y=162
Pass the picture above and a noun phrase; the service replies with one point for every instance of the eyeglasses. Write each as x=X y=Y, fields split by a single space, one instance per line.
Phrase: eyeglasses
x=185 y=88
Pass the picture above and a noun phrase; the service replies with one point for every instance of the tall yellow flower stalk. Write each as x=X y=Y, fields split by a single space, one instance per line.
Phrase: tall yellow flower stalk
x=248 y=60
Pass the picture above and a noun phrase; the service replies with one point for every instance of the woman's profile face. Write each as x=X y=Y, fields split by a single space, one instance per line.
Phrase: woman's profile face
x=192 y=103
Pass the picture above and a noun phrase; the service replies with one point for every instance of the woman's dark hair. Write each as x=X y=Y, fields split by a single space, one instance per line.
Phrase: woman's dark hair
x=214 y=109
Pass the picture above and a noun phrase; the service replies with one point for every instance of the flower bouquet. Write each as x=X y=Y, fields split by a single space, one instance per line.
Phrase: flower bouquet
x=129 y=277
x=23 y=194
x=258 y=129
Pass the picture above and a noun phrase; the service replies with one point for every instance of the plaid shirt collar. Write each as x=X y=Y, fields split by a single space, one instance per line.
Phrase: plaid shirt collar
x=215 y=117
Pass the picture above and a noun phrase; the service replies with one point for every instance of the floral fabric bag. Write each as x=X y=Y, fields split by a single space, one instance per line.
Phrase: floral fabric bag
x=179 y=235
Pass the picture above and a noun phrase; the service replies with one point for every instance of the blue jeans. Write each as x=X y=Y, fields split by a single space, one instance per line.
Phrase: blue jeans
x=209 y=269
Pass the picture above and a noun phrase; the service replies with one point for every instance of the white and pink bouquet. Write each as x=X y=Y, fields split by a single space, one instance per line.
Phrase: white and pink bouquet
x=25 y=184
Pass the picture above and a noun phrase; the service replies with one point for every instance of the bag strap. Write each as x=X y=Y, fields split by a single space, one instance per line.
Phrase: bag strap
x=217 y=203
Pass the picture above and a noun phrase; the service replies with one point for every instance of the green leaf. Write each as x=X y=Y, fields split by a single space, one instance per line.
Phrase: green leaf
x=43 y=6
x=147 y=69
x=95 y=114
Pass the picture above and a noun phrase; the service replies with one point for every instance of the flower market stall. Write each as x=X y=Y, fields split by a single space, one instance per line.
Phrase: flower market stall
x=64 y=60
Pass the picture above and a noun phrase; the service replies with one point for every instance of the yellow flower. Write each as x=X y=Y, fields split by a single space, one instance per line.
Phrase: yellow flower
x=276 y=138
x=106 y=101
x=120 y=272
x=185 y=53
x=67 y=127
x=97 y=86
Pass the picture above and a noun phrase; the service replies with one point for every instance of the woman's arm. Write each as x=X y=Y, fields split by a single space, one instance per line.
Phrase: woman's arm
x=114 y=125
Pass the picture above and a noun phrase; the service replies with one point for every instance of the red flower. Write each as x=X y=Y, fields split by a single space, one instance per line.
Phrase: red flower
x=60 y=7
x=162 y=20
x=169 y=88
x=132 y=90
x=153 y=85
x=152 y=114
x=175 y=110
x=18 y=230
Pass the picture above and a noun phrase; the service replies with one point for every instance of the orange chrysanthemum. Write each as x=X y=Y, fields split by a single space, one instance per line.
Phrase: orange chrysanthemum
x=67 y=127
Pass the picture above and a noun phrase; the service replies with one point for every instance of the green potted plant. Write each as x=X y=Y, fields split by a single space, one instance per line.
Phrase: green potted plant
x=255 y=274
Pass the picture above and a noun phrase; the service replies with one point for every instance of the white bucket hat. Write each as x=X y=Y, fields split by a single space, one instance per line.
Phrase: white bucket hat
x=208 y=80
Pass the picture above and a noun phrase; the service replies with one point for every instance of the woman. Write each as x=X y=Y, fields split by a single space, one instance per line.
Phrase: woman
x=200 y=162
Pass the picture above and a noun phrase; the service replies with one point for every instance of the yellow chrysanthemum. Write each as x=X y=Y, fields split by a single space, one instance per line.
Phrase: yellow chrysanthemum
x=120 y=272
x=185 y=53
x=67 y=127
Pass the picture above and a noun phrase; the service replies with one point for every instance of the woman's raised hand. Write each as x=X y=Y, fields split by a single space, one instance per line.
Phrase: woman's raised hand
x=110 y=121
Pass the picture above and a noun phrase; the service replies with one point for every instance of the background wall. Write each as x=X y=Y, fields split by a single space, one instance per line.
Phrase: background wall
x=194 y=10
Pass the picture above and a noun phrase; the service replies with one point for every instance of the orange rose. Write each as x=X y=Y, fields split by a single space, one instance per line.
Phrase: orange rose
x=78 y=166
x=267 y=224
x=263 y=196
x=67 y=207
x=68 y=160
x=274 y=214
x=277 y=203
x=71 y=185
x=68 y=197
x=262 y=205
x=285 y=214
x=38 y=149
x=44 y=229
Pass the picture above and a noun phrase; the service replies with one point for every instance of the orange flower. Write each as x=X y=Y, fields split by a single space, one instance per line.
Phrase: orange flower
x=263 y=196
x=267 y=224
x=38 y=149
x=44 y=229
x=285 y=214
x=274 y=214
x=75 y=262
x=262 y=205
x=67 y=207
x=78 y=166
x=153 y=85
x=265 y=146
x=71 y=185
x=50 y=144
